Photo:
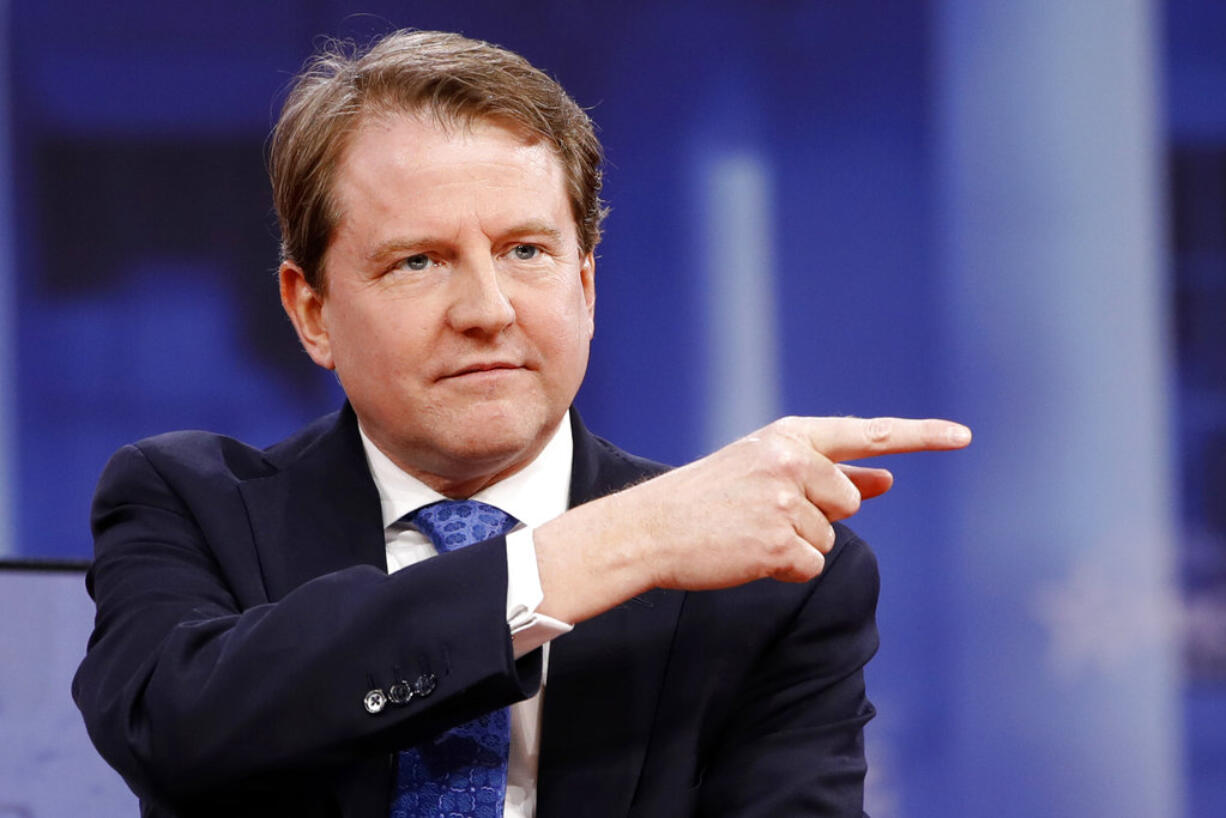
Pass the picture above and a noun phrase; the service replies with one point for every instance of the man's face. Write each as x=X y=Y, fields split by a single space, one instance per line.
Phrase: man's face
x=459 y=310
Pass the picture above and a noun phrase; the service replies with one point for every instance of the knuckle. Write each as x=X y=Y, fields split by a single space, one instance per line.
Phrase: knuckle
x=802 y=569
x=786 y=501
x=819 y=565
x=792 y=429
x=780 y=544
x=786 y=460
x=877 y=430
x=778 y=455
x=778 y=551
x=764 y=566
x=790 y=425
x=851 y=503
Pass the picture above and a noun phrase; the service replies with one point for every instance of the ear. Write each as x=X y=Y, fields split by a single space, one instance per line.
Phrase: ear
x=304 y=307
x=587 y=275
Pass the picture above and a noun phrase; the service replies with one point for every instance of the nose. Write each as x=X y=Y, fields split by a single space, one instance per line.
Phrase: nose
x=479 y=304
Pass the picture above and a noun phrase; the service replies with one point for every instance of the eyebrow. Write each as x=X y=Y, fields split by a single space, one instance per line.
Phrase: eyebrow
x=412 y=246
x=398 y=246
x=536 y=228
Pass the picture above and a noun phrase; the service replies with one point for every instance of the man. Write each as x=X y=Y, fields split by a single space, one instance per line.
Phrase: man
x=278 y=632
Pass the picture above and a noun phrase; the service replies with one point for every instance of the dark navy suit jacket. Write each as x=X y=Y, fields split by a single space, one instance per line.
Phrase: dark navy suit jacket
x=244 y=611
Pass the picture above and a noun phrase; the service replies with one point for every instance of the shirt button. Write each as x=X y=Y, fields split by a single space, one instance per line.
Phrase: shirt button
x=374 y=701
x=425 y=684
x=400 y=693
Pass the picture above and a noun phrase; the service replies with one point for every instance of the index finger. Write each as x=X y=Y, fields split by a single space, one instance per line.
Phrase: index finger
x=842 y=439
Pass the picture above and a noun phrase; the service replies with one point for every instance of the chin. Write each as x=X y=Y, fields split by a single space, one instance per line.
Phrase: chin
x=495 y=431
x=490 y=448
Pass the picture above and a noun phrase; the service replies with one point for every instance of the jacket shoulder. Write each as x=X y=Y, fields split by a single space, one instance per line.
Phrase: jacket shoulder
x=192 y=462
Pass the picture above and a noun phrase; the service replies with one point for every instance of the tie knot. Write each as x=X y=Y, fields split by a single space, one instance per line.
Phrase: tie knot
x=452 y=524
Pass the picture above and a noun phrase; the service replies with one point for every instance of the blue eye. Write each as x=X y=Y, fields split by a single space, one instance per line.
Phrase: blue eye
x=416 y=263
x=525 y=252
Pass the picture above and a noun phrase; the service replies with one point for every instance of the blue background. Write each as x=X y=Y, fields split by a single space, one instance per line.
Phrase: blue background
x=1011 y=214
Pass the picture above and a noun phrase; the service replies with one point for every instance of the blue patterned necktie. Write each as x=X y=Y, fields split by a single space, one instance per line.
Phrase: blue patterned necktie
x=461 y=773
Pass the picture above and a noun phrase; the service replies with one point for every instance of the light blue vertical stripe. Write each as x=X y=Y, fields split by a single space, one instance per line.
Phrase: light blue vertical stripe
x=1067 y=645
x=8 y=280
x=739 y=283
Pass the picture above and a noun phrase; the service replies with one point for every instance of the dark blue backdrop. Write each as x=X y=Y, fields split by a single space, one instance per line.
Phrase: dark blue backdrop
x=143 y=298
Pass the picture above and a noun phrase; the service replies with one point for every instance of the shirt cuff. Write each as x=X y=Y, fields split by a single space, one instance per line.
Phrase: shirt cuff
x=529 y=629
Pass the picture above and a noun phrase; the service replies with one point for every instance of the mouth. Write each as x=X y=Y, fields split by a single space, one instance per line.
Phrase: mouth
x=491 y=368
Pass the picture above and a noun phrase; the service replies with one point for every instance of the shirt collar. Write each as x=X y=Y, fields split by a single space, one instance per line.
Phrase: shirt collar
x=534 y=495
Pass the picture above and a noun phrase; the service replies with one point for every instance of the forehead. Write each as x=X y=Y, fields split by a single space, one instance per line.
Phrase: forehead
x=427 y=144
x=418 y=167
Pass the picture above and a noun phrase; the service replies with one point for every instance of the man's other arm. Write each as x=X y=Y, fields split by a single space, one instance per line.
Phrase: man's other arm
x=199 y=689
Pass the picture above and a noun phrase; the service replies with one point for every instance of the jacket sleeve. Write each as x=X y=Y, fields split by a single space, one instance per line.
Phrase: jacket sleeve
x=794 y=743
x=189 y=692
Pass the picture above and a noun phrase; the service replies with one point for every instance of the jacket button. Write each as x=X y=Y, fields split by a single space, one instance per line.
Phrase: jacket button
x=374 y=701
x=400 y=693
x=425 y=684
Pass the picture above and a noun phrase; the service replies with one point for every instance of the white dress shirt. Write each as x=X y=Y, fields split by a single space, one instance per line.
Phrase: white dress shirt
x=534 y=495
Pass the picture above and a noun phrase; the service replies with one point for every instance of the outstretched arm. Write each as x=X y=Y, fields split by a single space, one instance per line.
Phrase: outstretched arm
x=759 y=507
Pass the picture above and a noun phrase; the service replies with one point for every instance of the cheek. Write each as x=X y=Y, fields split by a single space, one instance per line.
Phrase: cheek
x=570 y=337
x=366 y=340
x=563 y=327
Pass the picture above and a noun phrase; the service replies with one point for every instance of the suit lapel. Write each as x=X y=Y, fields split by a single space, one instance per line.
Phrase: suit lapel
x=604 y=677
x=319 y=512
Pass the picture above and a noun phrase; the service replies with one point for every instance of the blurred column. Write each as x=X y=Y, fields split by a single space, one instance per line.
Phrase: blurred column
x=741 y=318
x=734 y=188
x=8 y=291
x=1049 y=164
